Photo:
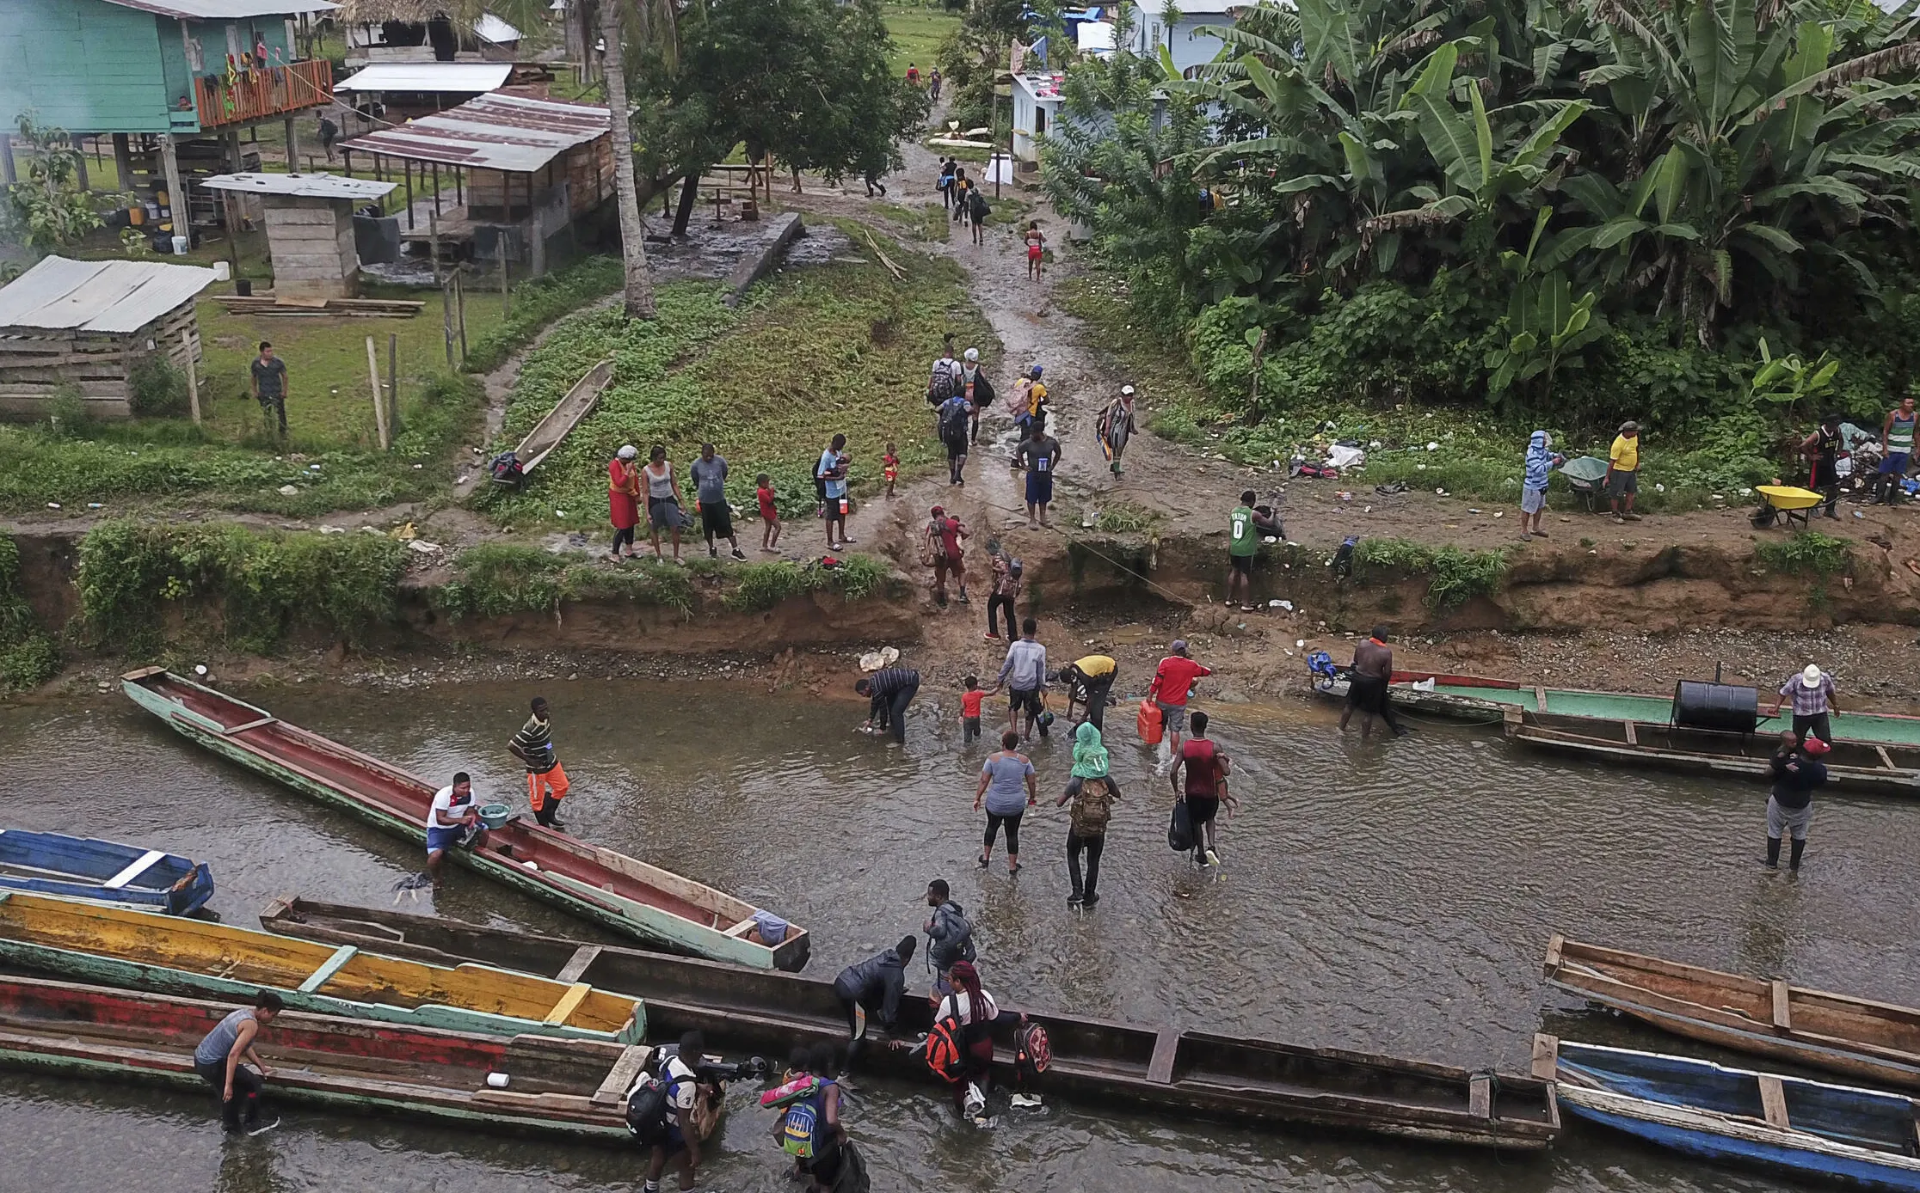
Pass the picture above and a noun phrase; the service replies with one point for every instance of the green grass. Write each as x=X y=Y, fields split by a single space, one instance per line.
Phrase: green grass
x=918 y=30
x=500 y=579
x=1807 y=553
x=1454 y=574
x=28 y=657
x=835 y=348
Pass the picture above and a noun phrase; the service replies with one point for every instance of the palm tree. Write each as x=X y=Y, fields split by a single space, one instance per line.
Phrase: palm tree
x=633 y=239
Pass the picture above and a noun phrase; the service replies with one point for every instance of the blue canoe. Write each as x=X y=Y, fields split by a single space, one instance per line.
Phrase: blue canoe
x=1811 y=1128
x=83 y=868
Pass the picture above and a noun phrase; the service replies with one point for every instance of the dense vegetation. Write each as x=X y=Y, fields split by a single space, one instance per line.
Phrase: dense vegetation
x=28 y=657
x=1573 y=214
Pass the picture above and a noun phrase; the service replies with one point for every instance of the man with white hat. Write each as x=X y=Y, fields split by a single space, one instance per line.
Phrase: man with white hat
x=975 y=387
x=1813 y=700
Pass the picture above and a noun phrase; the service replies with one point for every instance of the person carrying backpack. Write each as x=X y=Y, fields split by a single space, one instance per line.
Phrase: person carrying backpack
x=954 y=416
x=966 y=1017
x=949 y=932
x=945 y=182
x=1093 y=792
x=660 y=1113
x=811 y=1130
x=977 y=213
x=943 y=381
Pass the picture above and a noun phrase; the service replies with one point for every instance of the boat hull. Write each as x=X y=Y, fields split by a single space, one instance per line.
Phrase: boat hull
x=106 y=871
x=1860 y=1038
x=1154 y=1068
x=84 y=1031
x=201 y=960
x=536 y=870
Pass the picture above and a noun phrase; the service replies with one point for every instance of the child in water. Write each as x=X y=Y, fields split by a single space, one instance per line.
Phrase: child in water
x=769 y=514
x=970 y=711
x=892 y=462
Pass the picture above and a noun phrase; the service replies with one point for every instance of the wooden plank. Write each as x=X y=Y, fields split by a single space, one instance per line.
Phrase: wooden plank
x=135 y=869
x=1165 y=1046
x=1886 y=759
x=320 y=977
x=1480 y=1095
x=1633 y=739
x=1539 y=698
x=576 y=965
x=1782 y=1009
x=620 y=1078
x=1773 y=1102
x=569 y=1003
x=1555 y=946
x=1546 y=1056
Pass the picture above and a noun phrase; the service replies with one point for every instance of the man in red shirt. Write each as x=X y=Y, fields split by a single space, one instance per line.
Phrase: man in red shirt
x=1172 y=681
x=1205 y=788
x=944 y=533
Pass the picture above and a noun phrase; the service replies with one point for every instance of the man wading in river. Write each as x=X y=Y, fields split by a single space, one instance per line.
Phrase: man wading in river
x=1797 y=770
x=218 y=1056
x=546 y=779
x=1367 y=685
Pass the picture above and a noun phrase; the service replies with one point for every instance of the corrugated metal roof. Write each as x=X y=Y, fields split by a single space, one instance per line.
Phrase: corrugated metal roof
x=305 y=186
x=492 y=132
x=213 y=10
x=108 y=296
x=474 y=77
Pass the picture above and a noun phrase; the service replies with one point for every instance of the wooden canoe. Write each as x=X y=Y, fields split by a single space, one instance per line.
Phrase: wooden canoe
x=201 y=959
x=1809 y=1128
x=566 y=414
x=612 y=889
x=555 y=1086
x=1852 y=765
x=1871 y=1041
x=85 y=868
x=1164 y=1070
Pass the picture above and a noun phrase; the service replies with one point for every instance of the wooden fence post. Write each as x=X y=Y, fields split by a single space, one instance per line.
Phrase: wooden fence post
x=393 y=383
x=193 y=377
x=506 y=303
x=379 y=405
x=446 y=316
x=460 y=309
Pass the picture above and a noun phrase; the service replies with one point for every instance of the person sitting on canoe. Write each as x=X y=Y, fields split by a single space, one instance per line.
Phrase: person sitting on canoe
x=873 y=987
x=1797 y=770
x=453 y=819
x=218 y=1056
x=1367 y=685
x=546 y=778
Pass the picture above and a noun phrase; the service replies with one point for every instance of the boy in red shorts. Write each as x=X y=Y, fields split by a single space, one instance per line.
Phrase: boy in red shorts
x=770 y=532
x=892 y=462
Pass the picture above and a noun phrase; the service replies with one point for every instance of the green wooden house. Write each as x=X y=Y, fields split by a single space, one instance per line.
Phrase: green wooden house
x=157 y=71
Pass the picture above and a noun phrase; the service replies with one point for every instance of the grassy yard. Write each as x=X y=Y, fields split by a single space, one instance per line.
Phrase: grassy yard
x=918 y=30
x=838 y=348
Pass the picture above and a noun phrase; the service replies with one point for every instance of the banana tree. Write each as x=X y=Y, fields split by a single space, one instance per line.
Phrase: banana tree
x=1545 y=324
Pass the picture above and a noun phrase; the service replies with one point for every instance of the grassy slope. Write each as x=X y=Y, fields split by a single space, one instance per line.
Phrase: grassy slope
x=917 y=32
x=840 y=348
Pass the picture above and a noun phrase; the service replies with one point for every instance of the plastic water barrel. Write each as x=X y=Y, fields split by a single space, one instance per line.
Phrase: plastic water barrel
x=1720 y=706
x=179 y=246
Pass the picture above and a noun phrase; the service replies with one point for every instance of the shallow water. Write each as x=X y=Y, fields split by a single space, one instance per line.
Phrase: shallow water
x=1383 y=896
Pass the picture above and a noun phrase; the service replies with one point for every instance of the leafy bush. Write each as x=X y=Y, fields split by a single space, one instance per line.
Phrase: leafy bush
x=1807 y=553
x=158 y=387
x=1454 y=574
x=764 y=585
x=68 y=413
x=28 y=657
x=501 y=579
x=132 y=573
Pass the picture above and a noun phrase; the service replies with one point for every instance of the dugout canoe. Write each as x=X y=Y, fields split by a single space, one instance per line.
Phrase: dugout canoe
x=86 y=868
x=1866 y=1040
x=1162 y=1070
x=1484 y=700
x=1851 y=766
x=1808 y=1128
x=572 y=1088
x=566 y=414
x=609 y=888
x=200 y=959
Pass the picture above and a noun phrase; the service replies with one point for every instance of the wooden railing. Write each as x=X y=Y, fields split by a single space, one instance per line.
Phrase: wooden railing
x=258 y=93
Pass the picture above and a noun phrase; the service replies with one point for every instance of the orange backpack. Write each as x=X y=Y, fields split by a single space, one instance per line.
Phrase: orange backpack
x=946 y=1056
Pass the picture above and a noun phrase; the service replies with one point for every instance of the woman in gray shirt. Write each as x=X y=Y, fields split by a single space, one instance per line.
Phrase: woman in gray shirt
x=663 y=501
x=1008 y=788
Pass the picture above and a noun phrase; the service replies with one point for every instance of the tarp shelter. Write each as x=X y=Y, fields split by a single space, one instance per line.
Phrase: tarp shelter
x=524 y=169
x=309 y=223
x=91 y=324
x=439 y=78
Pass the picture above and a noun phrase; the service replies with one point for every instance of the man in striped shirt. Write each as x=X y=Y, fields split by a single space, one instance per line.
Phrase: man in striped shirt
x=546 y=780
x=888 y=693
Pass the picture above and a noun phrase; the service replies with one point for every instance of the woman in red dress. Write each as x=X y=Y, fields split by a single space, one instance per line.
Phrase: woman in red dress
x=623 y=494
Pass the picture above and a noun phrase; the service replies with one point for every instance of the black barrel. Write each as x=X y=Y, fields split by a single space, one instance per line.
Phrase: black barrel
x=1716 y=706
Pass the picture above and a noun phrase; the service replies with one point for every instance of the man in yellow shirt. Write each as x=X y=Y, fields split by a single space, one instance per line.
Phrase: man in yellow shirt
x=1088 y=681
x=1623 y=472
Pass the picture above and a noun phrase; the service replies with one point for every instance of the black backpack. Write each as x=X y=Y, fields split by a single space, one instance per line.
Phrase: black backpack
x=953 y=421
x=978 y=208
x=647 y=1109
x=940 y=383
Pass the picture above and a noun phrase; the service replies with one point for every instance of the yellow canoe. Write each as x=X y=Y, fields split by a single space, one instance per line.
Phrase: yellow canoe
x=176 y=955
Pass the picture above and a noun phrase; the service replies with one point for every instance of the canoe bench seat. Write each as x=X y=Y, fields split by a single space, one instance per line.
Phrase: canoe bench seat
x=135 y=869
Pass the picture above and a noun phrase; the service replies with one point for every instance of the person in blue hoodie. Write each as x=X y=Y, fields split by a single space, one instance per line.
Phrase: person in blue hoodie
x=1541 y=460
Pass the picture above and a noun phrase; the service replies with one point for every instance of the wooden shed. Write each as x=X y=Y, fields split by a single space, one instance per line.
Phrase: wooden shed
x=92 y=323
x=309 y=223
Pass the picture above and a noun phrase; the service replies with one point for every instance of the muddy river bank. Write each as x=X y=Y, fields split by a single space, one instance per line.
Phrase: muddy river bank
x=1381 y=896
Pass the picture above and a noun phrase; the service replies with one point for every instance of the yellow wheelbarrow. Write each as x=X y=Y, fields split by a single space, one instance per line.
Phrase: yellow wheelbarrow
x=1784 y=501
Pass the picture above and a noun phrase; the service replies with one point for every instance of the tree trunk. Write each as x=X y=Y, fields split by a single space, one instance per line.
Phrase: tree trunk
x=633 y=241
x=689 y=191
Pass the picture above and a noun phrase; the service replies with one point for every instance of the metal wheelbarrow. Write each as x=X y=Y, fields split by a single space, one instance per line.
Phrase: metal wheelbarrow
x=1787 y=502
x=1586 y=476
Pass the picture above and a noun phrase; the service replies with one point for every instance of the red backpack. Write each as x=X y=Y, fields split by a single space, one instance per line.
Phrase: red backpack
x=946 y=1055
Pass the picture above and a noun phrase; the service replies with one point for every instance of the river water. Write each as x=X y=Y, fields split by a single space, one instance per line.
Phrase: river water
x=1382 y=896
